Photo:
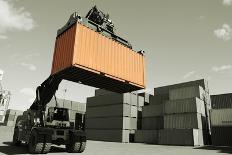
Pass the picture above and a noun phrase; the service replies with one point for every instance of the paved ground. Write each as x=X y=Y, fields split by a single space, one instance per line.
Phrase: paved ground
x=109 y=148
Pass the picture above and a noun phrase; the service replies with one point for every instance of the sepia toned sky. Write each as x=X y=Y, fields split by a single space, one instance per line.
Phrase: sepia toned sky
x=184 y=40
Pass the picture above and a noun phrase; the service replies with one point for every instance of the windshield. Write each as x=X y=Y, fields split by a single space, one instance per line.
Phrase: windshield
x=60 y=114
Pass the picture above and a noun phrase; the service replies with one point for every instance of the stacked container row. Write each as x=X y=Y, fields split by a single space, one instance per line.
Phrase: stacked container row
x=111 y=116
x=4 y=103
x=221 y=120
x=177 y=115
x=11 y=117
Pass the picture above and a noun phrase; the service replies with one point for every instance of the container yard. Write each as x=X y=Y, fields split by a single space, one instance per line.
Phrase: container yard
x=105 y=81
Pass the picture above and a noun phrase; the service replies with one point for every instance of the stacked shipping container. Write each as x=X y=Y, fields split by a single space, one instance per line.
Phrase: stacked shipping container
x=4 y=103
x=152 y=120
x=177 y=115
x=186 y=119
x=11 y=117
x=112 y=116
x=221 y=119
x=83 y=54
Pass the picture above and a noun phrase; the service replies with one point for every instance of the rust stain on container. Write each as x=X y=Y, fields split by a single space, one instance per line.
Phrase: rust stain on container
x=82 y=46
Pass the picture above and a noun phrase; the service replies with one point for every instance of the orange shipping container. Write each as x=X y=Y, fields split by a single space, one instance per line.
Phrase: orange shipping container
x=84 y=55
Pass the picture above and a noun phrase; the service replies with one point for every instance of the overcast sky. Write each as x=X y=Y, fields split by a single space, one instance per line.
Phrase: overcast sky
x=183 y=39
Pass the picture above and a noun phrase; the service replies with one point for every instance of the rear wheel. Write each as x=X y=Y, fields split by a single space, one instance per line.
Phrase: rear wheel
x=16 y=140
x=38 y=143
x=83 y=145
x=47 y=147
x=35 y=144
x=77 y=147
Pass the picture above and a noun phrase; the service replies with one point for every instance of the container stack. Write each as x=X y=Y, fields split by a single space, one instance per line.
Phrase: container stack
x=4 y=103
x=11 y=117
x=221 y=119
x=4 y=100
x=143 y=99
x=152 y=119
x=111 y=116
x=177 y=115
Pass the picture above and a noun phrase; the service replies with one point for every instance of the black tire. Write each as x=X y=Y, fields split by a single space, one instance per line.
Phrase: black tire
x=82 y=149
x=47 y=147
x=77 y=147
x=35 y=144
x=16 y=140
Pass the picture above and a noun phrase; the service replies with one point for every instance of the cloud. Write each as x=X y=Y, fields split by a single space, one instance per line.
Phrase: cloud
x=227 y=2
x=208 y=78
x=31 y=55
x=224 y=33
x=221 y=68
x=29 y=66
x=21 y=58
x=12 y=18
x=189 y=74
x=3 y=37
x=27 y=91
x=201 y=17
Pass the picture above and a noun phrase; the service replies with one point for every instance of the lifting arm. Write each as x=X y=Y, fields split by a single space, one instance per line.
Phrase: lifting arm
x=45 y=92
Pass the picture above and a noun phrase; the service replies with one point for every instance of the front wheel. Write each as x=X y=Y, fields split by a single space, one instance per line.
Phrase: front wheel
x=16 y=140
x=35 y=144
x=77 y=147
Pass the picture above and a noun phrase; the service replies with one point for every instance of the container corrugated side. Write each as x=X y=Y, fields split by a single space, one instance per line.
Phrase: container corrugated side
x=116 y=110
x=158 y=99
x=63 y=52
x=153 y=110
x=221 y=136
x=221 y=117
x=111 y=123
x=109 y=99
x=186 y=137
x=82 y=47
x=165 y=89
x=99 y=92
x=79 y=106
x=184 y=121
x=147 y=136
x=221 y=101
x=186 y=92
x=153 y=123
x=108 y=135
x=190 y=105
